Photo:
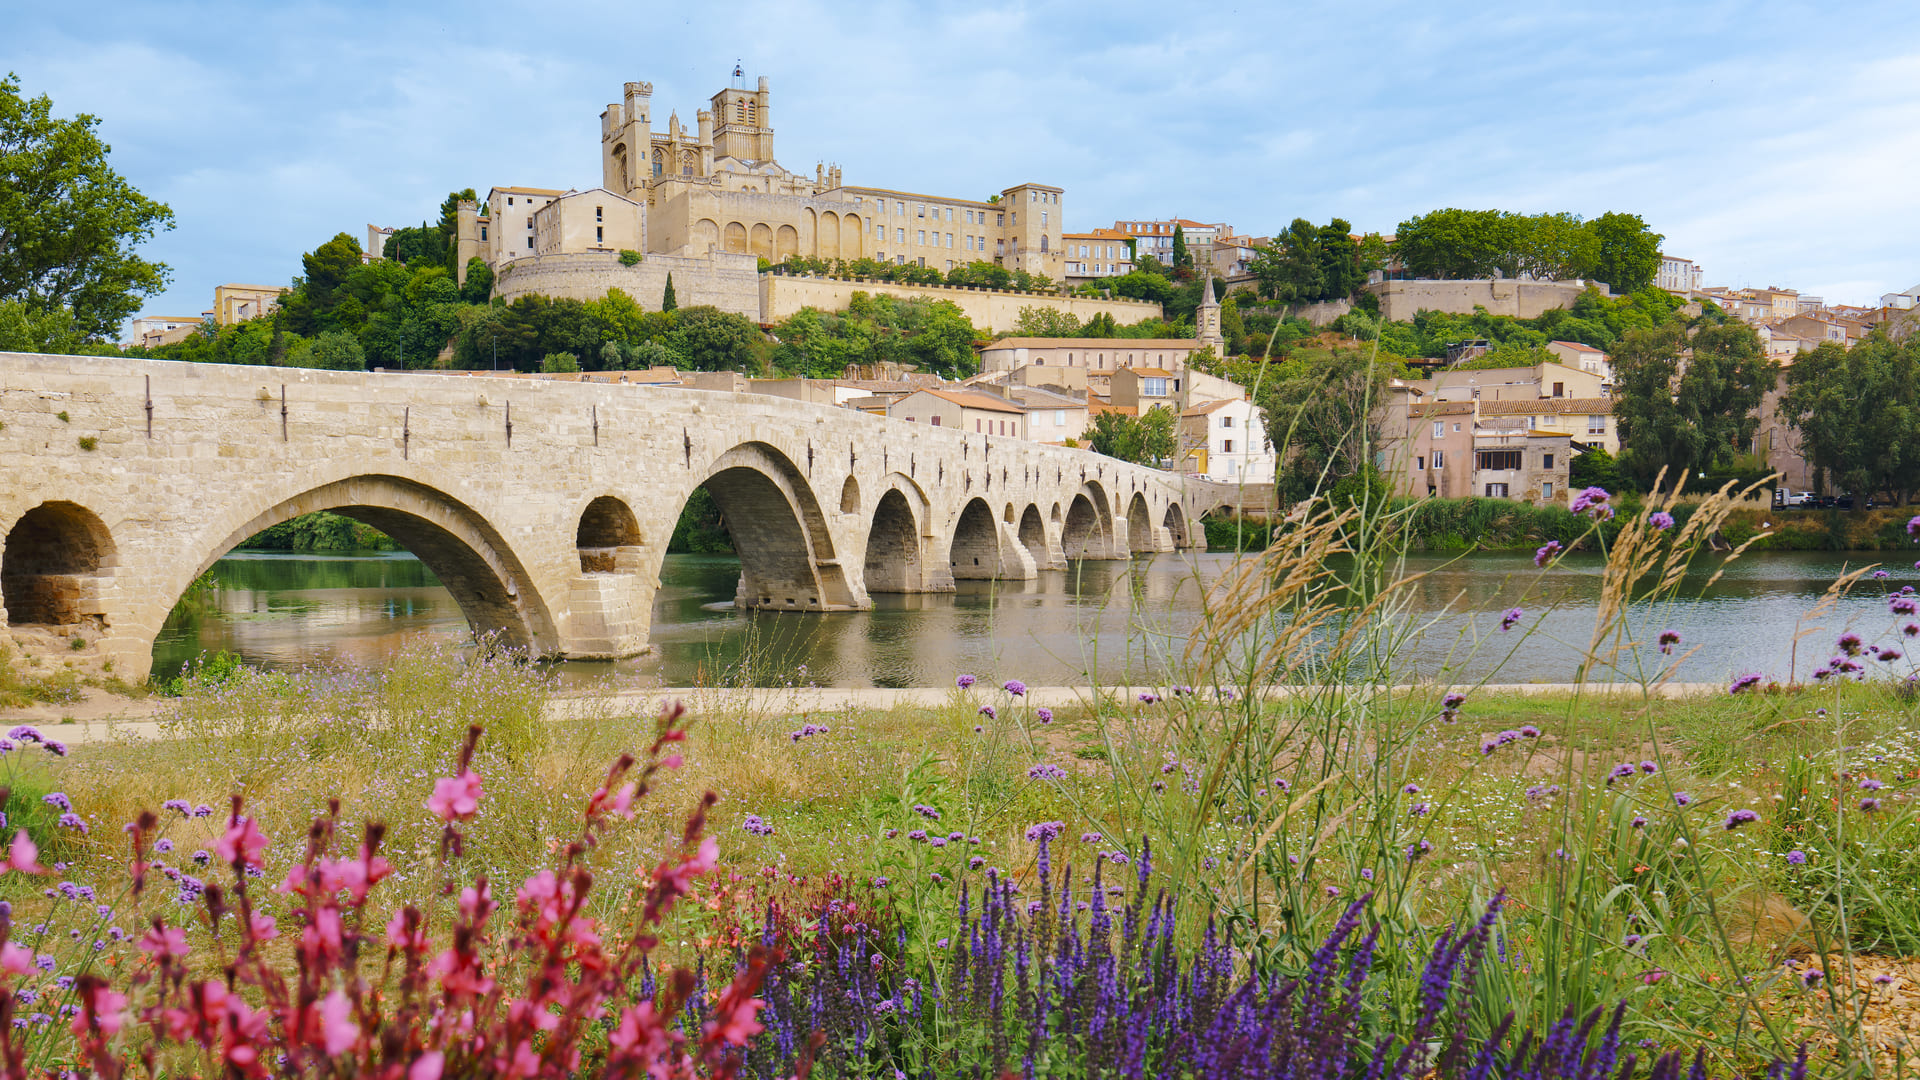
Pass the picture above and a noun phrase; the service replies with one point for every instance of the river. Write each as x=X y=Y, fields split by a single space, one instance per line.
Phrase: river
x=1118 y=621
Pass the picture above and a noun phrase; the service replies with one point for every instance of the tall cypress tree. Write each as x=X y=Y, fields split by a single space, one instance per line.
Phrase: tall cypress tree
x=667 y=301
x=1182 y=259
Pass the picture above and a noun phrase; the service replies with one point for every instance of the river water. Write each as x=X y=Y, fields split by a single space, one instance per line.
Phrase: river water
x=1114 y=621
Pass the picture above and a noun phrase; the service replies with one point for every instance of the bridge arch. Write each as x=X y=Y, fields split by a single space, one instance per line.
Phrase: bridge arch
x=55 y=566
x=472 y=559
x=1139 y=525
x=1175 y=522
x=1088 y=530
x=779 y=533
x=850 y=496
x=1033 y=536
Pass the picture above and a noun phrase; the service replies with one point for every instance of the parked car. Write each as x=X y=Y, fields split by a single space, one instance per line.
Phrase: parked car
x=1787 y=498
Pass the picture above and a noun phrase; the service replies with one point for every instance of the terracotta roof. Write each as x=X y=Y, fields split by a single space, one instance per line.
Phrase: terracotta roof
x=1544 y=406
x=1577 y=345
x=1202 y=410
x=530 y=191
x=984 y=402
x=1440 y=408
x=1150 y=372
x=1095 y=408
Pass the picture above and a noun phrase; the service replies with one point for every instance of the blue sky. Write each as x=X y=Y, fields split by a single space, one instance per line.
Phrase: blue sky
x=1772 y=143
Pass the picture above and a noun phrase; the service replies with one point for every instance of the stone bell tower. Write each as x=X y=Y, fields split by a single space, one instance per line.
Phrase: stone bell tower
x=626 y=142
x=1206 y=317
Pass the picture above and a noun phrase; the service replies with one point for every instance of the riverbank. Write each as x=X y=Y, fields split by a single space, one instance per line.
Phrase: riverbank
x=1502 y=525
x=105 y=718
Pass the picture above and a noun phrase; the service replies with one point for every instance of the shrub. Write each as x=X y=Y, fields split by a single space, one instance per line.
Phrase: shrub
x=630 y=257
x=88 y=442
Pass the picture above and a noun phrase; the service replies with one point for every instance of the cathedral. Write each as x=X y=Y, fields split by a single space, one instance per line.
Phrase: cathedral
x=717 y=189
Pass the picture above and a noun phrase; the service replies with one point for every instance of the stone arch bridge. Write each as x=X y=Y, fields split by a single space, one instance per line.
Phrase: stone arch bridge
x=544 y=507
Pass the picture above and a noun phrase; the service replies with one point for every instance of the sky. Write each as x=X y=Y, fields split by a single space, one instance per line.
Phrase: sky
x=1772 y=143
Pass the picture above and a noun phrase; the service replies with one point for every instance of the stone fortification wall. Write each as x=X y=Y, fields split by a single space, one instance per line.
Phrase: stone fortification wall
x=728 y=282
x=781 y=295
x=1402 y=300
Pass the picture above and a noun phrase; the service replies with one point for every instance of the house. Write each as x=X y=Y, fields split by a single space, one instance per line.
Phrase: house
x=1097 y=354
x=1533 y=382
x=153 y=331
x=1586 y=421
x=1678 y=275
x=1227 y=441
x=238 y=303
x=962 y=411
x=1052 y=417
x=1455 y=449
x=1102 y=253
x=1585 y=357
x=1144 y=388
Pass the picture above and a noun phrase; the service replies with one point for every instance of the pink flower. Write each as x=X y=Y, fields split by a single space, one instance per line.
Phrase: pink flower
x=16 y=959
x=456 y=798
x=619 y=803
x=242 y=842
x=642 y=1036
x=427 y=1066
x=264 y=927
x=23 y=855
x=400 y=936
x=162 y=942
x=338 y=1029
x=107 y=1007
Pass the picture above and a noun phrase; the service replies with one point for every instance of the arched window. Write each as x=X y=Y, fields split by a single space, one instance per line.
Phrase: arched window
x=739 y=111
x=753 y=113
x=659 y=162
x=1043 y=244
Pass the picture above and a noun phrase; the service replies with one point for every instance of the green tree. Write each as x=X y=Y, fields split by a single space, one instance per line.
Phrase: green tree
x=1554 y=247
x=26 y=328
x=69 y=224
x=1687 y=404
x=559 y=363
x=1594 y=468
x=1455 y=243
x=1182 y=258
x=1340 y=272
x=667 y=300
x=479 y=283
x=1290 y=269
x=1325 y=413
x=1143 y=285
x=944 y=344
x=714 y=340
x=1857 y=414
x=1626 y=254
x=337 y=351
x=1046 y=322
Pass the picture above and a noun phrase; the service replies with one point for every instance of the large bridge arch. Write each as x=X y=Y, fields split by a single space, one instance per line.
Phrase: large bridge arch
x=493 y=586
x=984 y=548
x=1088 y=531
x=788 y=560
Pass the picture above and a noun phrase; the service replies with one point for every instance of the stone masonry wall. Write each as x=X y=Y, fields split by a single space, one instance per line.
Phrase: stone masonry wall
x=728 y=282
x=1402 y=300
x=488 y=480
x=781 y=295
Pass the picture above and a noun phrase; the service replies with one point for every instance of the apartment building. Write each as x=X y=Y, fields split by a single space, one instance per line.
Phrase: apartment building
x=1155 y=238
x=1102 y=253
x=972 y=411
x=1454 y=450
x=1227 y=441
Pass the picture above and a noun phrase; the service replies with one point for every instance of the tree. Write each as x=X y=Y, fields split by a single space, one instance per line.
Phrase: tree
x=714 y=340
x=479 y=283
x=25 y=328
x=1687 y=404
x=1857 y=414
x=69 y=224
x=667 y=300
x=559 y=363
x=1046 y=322
x=1182 y=258
x=1595 y=468
x=336 y=351
x=1340 y=273
x=1456 y=243
x=1325 y=414
x=1143 y=285
x=1290 y=269
x=1626 y=253
x=944 y=344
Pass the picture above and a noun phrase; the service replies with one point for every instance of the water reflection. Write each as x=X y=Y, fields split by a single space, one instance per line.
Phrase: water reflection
x=1114 y=621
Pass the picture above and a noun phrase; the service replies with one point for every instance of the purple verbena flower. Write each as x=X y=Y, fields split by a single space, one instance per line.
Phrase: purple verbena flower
x=1512 y=618
x=1044 y=715
x=1745 y=682
x=1739 y=818
x=1668 y=639
x=1661 y=520
x=987 y=711
x=1015 y=688
x=1796 y=858
x=1546 y=552
x=965 y=682
x=1589 y=499
x=1045 y=771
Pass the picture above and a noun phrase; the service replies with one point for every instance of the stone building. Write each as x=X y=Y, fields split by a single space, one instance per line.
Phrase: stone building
x=712 y=200
x=719 y=186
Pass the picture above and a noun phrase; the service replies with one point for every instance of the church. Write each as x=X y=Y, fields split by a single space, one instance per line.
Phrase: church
x=716 y=190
